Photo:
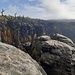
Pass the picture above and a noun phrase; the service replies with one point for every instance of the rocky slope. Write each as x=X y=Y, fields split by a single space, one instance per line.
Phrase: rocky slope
x=15 y=62
x=18 y=30
x=58 y=56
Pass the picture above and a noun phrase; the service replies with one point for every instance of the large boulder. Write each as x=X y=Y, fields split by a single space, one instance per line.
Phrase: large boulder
x=16 y=62
x=44 y=38
x=58 y=57
x=64 y=39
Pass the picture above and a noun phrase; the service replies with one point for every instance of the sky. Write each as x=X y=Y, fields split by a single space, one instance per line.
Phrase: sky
x=40 y=9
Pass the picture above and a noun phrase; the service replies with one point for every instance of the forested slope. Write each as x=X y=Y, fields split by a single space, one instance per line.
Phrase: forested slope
x=18 y=30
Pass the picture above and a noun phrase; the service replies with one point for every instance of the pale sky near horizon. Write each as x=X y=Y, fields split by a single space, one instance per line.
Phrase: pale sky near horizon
x=41 y=9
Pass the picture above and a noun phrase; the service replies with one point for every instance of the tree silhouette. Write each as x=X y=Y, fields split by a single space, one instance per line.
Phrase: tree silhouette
x=15 y=15
x=2 y=12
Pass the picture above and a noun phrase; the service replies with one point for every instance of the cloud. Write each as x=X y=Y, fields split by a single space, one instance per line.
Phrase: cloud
x=12 y=10
x=27 y=10
x=44 y=9
x=34 y=11
x=56 y=9
x=33 y=8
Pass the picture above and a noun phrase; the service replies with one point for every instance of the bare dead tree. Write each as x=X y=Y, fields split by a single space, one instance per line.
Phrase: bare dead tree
x=15 y=15
x=2 y=12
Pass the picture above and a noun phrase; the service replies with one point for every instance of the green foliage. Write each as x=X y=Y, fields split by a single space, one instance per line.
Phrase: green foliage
x=36 y=52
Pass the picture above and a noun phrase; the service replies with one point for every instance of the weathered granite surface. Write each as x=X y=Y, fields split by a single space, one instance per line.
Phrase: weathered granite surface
x=58 y=56
x=64 y=39
x=16 y=62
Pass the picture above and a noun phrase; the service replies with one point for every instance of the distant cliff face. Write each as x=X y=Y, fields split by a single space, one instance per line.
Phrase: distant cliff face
x=21 y=28
x=15 y=62
x=58 y=56
x=17 y=31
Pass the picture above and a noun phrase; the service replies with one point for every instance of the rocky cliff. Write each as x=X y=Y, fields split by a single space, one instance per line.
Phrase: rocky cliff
x=15 y=62
x=58 y=56
x=17 y=31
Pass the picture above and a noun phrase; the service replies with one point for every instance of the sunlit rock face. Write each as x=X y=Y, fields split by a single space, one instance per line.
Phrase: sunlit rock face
x=58 y=56
x=15 y=62
x=44 y=38
x=64 y=39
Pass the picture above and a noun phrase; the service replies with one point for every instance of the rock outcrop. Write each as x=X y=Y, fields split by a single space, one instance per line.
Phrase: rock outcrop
x=44 y=38
x=64 y=39
x=58 y=56
x=15 y=62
